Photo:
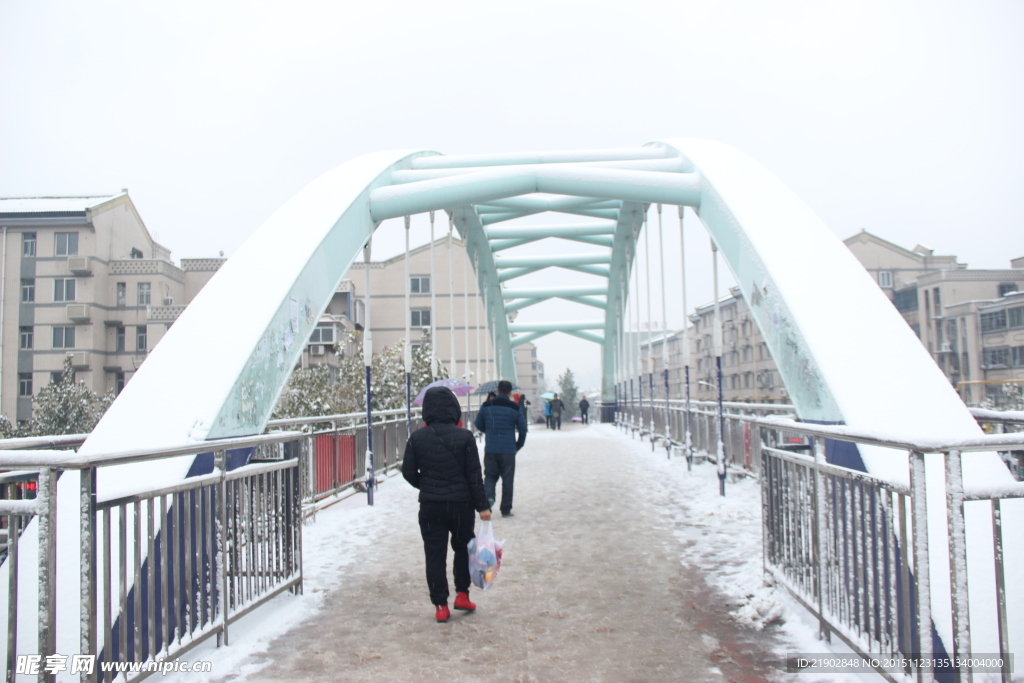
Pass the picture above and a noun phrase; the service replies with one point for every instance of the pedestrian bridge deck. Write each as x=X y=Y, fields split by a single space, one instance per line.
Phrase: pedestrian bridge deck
x=607 y=577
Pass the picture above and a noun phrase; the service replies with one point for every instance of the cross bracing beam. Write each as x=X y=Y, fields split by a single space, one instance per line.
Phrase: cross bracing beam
x=511 y=273
x=588 y=336
x=540 y=203
x=564 y=156
x=491 y=219
x=487 y=185
x=547 y=292
x=556 y=327
x=670 y=164
x=555 y=260
x=600 y=271
x=587 y=301
x=521 y=304
x=501 y=245
x=541 y=231
x=527 y=338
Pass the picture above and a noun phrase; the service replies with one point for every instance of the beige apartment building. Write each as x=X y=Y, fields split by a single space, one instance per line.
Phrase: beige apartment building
x=971 y=322
x=444 y=306
x=82 y=277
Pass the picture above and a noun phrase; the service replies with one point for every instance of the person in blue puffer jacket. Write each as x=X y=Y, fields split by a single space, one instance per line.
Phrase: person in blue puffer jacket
x=503 y=423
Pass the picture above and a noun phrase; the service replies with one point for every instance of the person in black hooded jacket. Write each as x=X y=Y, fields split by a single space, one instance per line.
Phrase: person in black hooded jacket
x=442 y=461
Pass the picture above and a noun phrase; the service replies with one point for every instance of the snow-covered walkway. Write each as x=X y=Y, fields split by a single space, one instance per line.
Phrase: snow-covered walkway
x=619 y=566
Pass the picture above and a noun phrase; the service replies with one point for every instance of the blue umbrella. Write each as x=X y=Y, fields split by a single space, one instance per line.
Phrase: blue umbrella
x=458 y=387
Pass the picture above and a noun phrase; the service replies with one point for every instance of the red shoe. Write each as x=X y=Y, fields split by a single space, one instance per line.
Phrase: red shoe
x=441 y=613
x=462 y=602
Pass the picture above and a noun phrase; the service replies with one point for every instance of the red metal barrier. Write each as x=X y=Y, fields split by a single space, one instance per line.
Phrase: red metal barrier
x=335 y=461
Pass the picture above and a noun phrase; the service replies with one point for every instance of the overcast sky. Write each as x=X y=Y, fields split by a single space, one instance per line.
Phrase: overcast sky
x=902 y=118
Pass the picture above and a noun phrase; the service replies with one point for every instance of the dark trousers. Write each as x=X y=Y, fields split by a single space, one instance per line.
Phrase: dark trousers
x=583 y=413
x=503 y=466
x=556 y=421
x=437 y=521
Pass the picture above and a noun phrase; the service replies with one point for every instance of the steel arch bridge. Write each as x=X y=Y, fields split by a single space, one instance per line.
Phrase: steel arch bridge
x=783 y=257
x=218 y=371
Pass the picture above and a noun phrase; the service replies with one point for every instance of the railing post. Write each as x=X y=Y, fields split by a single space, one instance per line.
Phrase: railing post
x=997 y=542
x=819 y=535
x=87 y=614
x=958 y=560
x=919 y=503
x=220 y=463
x=47 y=492
x=13 y=537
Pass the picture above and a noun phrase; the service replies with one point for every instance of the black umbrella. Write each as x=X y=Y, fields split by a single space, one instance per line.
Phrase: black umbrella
x=488 y=387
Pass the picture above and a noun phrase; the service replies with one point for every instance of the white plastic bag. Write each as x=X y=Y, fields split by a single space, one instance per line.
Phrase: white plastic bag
x=484 y=557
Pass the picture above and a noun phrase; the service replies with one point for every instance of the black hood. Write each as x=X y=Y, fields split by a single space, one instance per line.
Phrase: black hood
x=441 y=405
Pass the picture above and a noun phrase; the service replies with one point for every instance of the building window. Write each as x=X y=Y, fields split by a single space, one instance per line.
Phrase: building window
x=26 y=337
x=906 y=300
x=118 y=382
x=996 y=357
x=140 y=338
x=885 y=279
x=1015 y=316
x=66 y=244
x=28 y=244
x=122 y=293
x=419 y=284
x=136 y=254
x=993 y=321
x=119 y=336
x=420 y=318
x=1018 y=356
x=63 y=337
x=144 y=293
x=57 y=376
x=64 y=289
x=24 y=384
x=28 y=291
x=322 y=334
x=1007 y=287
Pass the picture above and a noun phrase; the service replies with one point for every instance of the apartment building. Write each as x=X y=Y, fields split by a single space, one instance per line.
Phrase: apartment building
x=970 y=320
x=748 y=371
x=83 y=277
x=445 y=308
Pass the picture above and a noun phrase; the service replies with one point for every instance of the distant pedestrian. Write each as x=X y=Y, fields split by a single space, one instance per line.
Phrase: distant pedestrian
x=556 y=412
x=524 y=406
x=547 y=414
x=442 y=461
x=503 y=423
x=584 y=407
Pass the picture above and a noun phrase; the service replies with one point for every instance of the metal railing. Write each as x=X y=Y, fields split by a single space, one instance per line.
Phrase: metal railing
x=333 y=451
x=160 y=570
x=853 y=548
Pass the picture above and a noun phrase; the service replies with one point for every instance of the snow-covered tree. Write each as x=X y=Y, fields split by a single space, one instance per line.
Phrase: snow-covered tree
x=7 y=430
x=67 y=406
x=426 y=368
x=568 y=392
x=1011 y=397
x=311 y=391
